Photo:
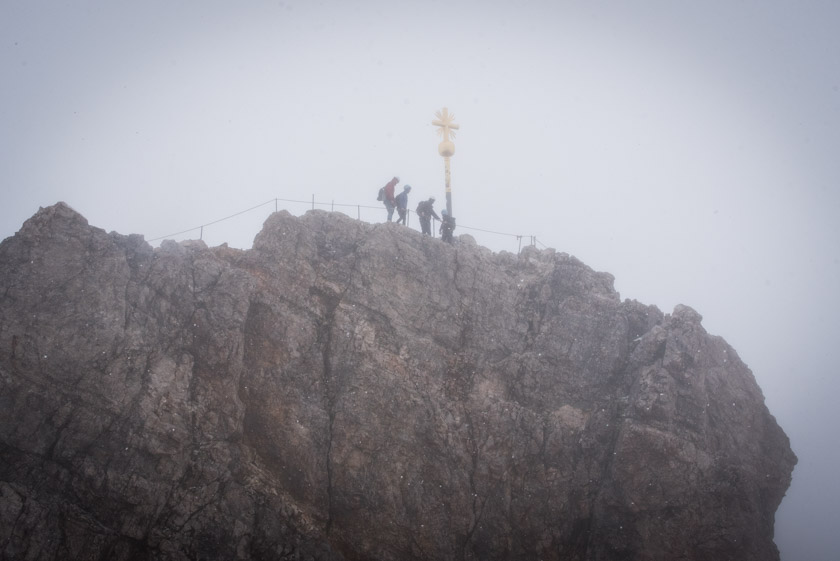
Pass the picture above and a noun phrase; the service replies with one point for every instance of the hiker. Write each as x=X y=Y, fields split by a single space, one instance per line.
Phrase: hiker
x=388 y=197
x=425 y=210
x=402 y=204
x=447 y=226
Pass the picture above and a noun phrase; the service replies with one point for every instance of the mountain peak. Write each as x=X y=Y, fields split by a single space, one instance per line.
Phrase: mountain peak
x=346 y=390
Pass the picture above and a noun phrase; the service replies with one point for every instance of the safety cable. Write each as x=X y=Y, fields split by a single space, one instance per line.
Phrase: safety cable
x=333 y=204
x=214 y=222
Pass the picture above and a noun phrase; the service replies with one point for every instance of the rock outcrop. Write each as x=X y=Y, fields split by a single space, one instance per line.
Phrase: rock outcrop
x=354 y=391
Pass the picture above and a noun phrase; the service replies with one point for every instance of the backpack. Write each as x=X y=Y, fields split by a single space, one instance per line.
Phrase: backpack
x=381 y=195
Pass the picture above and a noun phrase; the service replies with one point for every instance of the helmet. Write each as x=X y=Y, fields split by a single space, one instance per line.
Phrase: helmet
x=443 y=212
x=431 y=199
x=407 y=188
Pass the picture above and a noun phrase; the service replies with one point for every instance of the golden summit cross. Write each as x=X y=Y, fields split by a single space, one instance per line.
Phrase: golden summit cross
x=446 y=148
x=444 y=121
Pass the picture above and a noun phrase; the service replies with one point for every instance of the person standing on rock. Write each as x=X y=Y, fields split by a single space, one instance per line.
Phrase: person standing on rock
x=425 y=211
x=402 y=204
x=388 y=199
x=447 y=226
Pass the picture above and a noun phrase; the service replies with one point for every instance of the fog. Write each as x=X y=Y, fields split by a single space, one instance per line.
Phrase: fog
x=690 y=149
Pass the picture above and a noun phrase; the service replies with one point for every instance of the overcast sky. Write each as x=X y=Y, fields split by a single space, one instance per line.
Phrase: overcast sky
x=688 y=148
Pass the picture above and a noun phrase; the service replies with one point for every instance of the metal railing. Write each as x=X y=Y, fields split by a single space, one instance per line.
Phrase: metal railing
x=333 y=206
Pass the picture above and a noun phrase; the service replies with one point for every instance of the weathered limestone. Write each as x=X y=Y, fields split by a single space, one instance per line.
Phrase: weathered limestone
x=354 y=391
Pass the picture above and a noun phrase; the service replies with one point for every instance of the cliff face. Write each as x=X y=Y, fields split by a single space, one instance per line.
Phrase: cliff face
x=354 y=391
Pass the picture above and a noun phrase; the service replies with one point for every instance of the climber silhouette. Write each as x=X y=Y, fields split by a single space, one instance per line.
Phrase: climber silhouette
x=388 y=200
x=402 y=204
x=447 y=226
x=425 y=211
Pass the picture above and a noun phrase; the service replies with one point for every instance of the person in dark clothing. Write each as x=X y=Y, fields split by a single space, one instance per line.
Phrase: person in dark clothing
x=447 y=226
x=402 y=204
x=425 y=211
x=389 y=201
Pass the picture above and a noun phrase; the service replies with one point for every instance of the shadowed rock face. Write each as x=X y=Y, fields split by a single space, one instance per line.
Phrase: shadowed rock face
x=354 y=391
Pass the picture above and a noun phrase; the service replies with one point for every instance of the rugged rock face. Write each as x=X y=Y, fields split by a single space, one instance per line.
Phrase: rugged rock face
x=354 y=391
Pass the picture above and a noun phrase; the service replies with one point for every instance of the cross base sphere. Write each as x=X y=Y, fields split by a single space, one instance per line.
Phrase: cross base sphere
x=446 y=148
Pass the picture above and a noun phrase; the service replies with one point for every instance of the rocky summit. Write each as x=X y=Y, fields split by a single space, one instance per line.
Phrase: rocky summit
x=354 y=391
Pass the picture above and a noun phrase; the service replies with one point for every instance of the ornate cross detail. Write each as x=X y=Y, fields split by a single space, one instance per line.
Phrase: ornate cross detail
x=444 y=121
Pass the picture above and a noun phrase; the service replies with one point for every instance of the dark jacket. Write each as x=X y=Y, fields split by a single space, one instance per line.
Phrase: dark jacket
x=426 y=211
x=402 y=200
